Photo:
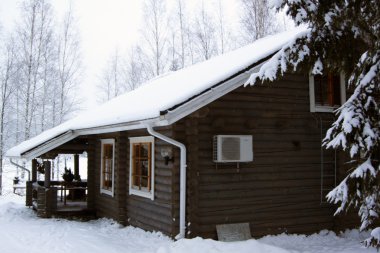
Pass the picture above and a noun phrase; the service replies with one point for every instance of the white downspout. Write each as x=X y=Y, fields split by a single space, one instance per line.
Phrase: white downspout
x=21 y=167
x=182 y=199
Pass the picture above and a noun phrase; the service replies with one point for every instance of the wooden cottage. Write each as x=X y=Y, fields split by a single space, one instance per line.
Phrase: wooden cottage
x=195 y=148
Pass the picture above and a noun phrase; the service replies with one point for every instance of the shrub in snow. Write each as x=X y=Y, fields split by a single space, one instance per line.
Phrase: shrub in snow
x=344 y=35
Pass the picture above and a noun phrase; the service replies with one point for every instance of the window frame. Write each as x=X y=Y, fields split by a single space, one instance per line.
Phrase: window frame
x=324 y=108
x=132 y=190
x=102 y=190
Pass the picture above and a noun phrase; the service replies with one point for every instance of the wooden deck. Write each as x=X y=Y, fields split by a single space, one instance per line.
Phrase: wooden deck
x=59 y=201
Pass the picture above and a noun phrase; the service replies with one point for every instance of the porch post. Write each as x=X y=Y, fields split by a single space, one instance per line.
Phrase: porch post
x=76 y=166
x=47 y=173
x=34 y=170
x=29 y=184
x=50 y=194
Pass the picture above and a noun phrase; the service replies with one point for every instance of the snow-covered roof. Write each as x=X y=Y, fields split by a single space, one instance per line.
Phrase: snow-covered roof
x=165 y=93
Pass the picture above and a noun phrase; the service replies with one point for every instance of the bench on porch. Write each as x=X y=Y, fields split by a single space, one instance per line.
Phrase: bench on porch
x=77 y=191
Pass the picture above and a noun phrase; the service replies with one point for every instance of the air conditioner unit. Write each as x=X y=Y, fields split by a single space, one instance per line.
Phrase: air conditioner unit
x=233 y=148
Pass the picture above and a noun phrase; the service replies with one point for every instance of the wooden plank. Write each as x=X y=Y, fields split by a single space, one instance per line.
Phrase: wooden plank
x=121 y=178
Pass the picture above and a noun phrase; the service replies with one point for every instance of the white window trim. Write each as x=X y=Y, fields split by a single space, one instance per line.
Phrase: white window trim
x=108 y=192
x=319 y=108
x=143 y=192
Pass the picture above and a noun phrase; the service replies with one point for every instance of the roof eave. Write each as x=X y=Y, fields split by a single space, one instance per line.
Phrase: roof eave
x=72 y=134
x=211 y=95
x=47 y=146
x=170 y=117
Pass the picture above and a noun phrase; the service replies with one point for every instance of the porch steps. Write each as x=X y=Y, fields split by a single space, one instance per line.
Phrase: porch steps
x=83 y=215
x=75 y=211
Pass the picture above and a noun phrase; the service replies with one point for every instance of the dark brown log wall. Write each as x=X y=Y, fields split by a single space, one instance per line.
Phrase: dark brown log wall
x=157 y=214
x=107 y=205
x=280 y=190
x=152 y=215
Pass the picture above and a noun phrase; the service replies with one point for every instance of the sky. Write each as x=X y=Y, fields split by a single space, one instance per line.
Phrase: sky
x=104 y=25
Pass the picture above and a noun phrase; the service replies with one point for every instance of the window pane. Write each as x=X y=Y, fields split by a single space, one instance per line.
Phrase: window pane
x=336 y=92
x=135 y=173
x=141 y=169
x=107 y=166
x=327 y=90
x=144 y=149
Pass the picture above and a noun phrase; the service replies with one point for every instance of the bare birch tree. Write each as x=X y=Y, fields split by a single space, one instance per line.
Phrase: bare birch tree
x=221 y=27
x=123 y=73
x=204 y=33
x=182 y=30
x=134 y=68
x=69 y=65
x=33 y=33
x=173 y=48
x=154 y=32
x=257 y=20
x=191 y=46
x=112 y=82
x=48 y=81
x=8 y=70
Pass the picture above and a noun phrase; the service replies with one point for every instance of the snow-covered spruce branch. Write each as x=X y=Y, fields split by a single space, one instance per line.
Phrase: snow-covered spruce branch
x=349 y=193
x=342 y=40
x=358 y=121
x=281 y=61
x=358 y=129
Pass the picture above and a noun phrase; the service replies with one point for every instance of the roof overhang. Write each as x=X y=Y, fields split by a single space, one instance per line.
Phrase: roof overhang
x=171 y=116
x=208 y=96
x=72 y=134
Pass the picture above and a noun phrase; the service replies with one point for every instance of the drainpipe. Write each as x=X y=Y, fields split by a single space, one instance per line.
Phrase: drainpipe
x=182 y=199
x=21 y=167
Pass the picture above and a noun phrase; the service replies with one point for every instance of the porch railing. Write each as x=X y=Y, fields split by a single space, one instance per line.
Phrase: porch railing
x=44 y=199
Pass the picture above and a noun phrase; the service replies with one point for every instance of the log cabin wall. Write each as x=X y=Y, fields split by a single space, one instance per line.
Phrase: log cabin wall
x=280 y=191
x=350 y=219
x=152 y=215
x=91 y=171
x=157 y=214
x=106 y=205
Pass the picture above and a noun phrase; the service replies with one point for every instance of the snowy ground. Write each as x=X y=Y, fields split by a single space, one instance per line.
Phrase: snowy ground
x=22 y=231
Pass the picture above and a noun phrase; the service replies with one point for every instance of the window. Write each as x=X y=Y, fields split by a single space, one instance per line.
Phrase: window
x=141 y=171
x=107 y=167
x=327 y=92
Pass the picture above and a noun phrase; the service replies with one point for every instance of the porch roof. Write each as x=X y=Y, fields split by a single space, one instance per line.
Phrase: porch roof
x=162 y=100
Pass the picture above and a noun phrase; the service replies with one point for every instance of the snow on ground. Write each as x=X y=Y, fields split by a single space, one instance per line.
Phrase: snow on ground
x=22 y=231
x=324 y=241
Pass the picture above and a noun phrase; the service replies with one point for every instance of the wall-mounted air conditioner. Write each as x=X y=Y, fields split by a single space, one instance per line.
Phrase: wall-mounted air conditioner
x=232 y=148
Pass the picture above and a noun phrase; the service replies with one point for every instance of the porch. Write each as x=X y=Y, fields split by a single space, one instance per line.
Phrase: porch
x=59 y=198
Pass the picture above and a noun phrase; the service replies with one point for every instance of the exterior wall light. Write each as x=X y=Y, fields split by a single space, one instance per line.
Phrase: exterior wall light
x=167 y=154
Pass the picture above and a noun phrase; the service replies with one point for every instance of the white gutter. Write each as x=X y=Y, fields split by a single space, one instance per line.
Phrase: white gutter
x=72 y=134
x=49 y=145
x=21 y=167
x=182 y=199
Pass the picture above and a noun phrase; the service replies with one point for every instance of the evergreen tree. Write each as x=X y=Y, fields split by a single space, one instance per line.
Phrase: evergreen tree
x=344 y=35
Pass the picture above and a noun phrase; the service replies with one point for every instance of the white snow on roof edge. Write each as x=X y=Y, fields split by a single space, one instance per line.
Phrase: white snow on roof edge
x=167 y=91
